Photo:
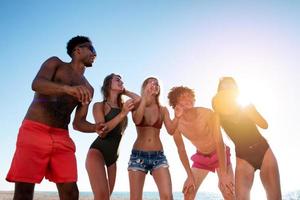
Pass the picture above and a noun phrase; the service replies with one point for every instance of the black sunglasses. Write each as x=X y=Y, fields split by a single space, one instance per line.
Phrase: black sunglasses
x=90 y=47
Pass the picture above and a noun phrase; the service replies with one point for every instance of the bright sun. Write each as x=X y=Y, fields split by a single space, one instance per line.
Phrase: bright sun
x=250 y=93
x=243 y=100
x=255 y=93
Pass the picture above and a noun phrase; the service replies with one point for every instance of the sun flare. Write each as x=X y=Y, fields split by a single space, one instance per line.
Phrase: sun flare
x=243 y=100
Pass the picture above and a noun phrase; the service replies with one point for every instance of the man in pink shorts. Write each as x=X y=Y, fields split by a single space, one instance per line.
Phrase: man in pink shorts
x=44 y=147
x=200 y=126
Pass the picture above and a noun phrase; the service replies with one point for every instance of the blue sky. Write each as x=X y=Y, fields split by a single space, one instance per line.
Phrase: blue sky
x=191 y=43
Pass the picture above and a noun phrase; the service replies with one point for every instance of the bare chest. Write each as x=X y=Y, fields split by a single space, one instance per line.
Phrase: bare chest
x=69 y=77
x=194 y=130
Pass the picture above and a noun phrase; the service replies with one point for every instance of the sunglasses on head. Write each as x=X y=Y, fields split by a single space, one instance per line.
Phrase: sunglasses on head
x=90 y=47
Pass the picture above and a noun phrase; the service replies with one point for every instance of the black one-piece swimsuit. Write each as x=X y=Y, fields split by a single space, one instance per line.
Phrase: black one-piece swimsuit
x=109 y=145
x=249 y=143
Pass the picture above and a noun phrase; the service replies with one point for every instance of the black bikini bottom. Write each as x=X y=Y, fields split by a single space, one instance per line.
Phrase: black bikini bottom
x=253 y=154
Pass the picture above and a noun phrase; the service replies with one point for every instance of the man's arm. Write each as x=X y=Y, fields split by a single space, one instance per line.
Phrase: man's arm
x=225 y=181
x=80 y=123
x=190 y=182
x=43 y=83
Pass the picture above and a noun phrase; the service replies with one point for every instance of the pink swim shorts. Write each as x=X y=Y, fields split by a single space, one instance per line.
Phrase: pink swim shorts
x=208 y=162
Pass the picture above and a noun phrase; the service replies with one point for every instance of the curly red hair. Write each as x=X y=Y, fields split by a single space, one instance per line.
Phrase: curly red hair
x=176 y=92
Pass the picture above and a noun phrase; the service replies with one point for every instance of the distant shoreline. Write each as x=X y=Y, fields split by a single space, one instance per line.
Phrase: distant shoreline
x=53 y=195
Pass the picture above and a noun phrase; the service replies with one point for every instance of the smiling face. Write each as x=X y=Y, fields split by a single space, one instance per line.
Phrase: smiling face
x=186 y=100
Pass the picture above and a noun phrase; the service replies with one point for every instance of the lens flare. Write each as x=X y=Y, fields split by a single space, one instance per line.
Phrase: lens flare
x=243 y=100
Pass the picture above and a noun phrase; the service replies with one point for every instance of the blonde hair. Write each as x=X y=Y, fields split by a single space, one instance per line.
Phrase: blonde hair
x=146 y=81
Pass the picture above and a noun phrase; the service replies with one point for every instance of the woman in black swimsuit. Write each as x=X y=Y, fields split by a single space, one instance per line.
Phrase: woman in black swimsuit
x=252 y=150
x=147 y=154
x=103 y=152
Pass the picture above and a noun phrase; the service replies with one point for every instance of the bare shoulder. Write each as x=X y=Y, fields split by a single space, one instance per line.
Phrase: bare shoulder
x=54 y=60
x=202 y=110
x=205 y=113
x=98 y=105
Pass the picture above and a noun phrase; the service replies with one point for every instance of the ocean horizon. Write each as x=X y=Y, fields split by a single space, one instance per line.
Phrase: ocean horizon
x=293 y=195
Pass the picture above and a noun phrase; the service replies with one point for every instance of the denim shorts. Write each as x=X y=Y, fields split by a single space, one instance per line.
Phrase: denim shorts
x=146 y=161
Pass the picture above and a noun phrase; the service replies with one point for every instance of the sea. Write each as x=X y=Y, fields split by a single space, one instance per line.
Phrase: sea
x=294 y=195
x=176 y=195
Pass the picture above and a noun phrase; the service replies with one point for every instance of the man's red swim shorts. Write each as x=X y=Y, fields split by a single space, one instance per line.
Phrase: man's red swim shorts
x=43 y=151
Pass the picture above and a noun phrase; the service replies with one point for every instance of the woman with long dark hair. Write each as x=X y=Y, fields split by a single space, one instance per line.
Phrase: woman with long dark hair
x=252 y=150
x=103 y=153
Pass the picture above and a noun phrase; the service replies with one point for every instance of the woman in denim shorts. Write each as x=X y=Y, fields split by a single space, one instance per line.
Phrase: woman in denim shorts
x=147 y=153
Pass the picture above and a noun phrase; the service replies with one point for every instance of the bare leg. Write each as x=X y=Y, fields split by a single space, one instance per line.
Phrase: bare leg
x=136 y=180
x=162 y=179
x=199 y=176
x=23 y=191
x=227 y=194
x=244 y=175
x=95 y=167
x=269 y=175
x=112 y=171
x=68 y=191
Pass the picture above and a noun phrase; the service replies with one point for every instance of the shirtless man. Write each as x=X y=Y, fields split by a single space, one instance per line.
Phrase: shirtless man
x=200 y=126
x=44 y=148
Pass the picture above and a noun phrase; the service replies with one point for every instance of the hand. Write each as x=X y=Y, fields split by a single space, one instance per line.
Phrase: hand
x=226 y=185
x=150 y=89
x=154 y=88
x=147 y=91
x=189 y=186
x=178 y=111
x=81 y=92
x=128 y=106
x=101 y=129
